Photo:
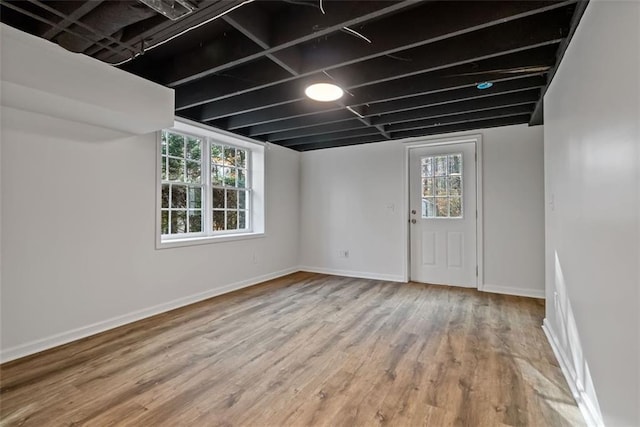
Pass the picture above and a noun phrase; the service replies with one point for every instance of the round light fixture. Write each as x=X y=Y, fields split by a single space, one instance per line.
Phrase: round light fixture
x=324 y=92
x=484 y=85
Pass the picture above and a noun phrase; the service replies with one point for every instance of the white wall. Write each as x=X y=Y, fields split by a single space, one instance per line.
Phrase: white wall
x=592 y=161
x=78 y=234
x=78 y=204
x=42 y=77
x=513 y=188
x=352 y=199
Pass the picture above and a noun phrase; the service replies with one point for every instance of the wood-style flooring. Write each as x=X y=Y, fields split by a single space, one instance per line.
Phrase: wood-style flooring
x=306 y=349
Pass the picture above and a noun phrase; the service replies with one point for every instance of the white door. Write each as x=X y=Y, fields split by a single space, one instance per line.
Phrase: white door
x=442 y=214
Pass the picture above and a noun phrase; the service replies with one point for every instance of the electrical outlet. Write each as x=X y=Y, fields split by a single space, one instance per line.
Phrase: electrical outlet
x=343 y=253
x=255 y=258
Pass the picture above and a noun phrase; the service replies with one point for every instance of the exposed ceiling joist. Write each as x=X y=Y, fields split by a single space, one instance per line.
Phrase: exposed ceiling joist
x=508 y=111
x=72 y=17
x=401 y=87
x=518 y=98
x=408 y=68
x=467 y=125
x=257 y=29
x=294 y=110
x=471 y=125
x=481 y=16
x=433 y=87
x=307 y=25
x=406 y=117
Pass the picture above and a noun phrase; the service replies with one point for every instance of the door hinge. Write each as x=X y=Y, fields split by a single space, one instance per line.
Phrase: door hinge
x=476 y=271
x=475 y=156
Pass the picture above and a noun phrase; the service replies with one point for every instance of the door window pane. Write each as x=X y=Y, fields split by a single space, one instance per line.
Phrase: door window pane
x=455 y=207
x=428 y=207
x=440 y=165
x=427 y=187
x=427 y=166
x=455 y=164
x=442 y=178
x=455 y=186
x=442 y=207
x=441 y=186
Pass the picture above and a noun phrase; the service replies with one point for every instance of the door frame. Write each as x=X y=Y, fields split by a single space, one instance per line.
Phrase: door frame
x=421 y=142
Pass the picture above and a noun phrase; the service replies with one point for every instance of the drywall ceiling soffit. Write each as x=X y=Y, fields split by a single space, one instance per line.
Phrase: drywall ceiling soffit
x=408 y=68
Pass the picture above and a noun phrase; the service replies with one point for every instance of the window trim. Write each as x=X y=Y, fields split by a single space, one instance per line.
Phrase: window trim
x=255 y=184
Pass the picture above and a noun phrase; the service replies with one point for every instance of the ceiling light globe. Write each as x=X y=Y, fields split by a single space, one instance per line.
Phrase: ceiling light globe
x=324 y=92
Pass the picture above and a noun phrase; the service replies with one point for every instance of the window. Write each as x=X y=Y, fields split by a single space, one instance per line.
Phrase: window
x=182 y=184
x=442 y=186
x=229 y=188
x=208 y=188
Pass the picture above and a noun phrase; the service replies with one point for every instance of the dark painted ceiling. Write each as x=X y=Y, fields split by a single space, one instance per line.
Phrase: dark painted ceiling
x=409 y=68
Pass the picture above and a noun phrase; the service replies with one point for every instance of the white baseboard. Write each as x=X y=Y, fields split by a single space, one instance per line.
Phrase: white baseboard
x=587 y=406
x=36 y=346
x=531 y=293
x=349 y=273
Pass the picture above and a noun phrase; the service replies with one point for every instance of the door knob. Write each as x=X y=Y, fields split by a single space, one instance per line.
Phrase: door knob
x=413 y=211
x=413 y=221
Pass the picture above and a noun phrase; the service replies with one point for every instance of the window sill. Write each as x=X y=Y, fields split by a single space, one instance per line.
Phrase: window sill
x=194 y=241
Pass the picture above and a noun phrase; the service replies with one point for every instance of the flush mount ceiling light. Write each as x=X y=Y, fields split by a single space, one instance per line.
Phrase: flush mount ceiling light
x=324 y=92
x=484 y=85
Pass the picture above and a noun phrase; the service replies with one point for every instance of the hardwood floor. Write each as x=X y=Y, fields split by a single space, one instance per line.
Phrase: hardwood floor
x=306 y=349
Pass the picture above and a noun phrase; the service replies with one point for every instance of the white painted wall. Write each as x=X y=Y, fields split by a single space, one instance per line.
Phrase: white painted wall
x=78 y=234
x=592 y=161
x=513 y=187
x=352 y=199
x=40 y=76
x=78 y=204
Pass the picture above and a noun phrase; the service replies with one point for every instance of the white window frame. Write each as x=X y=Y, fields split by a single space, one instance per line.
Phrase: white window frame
x=254 y=185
